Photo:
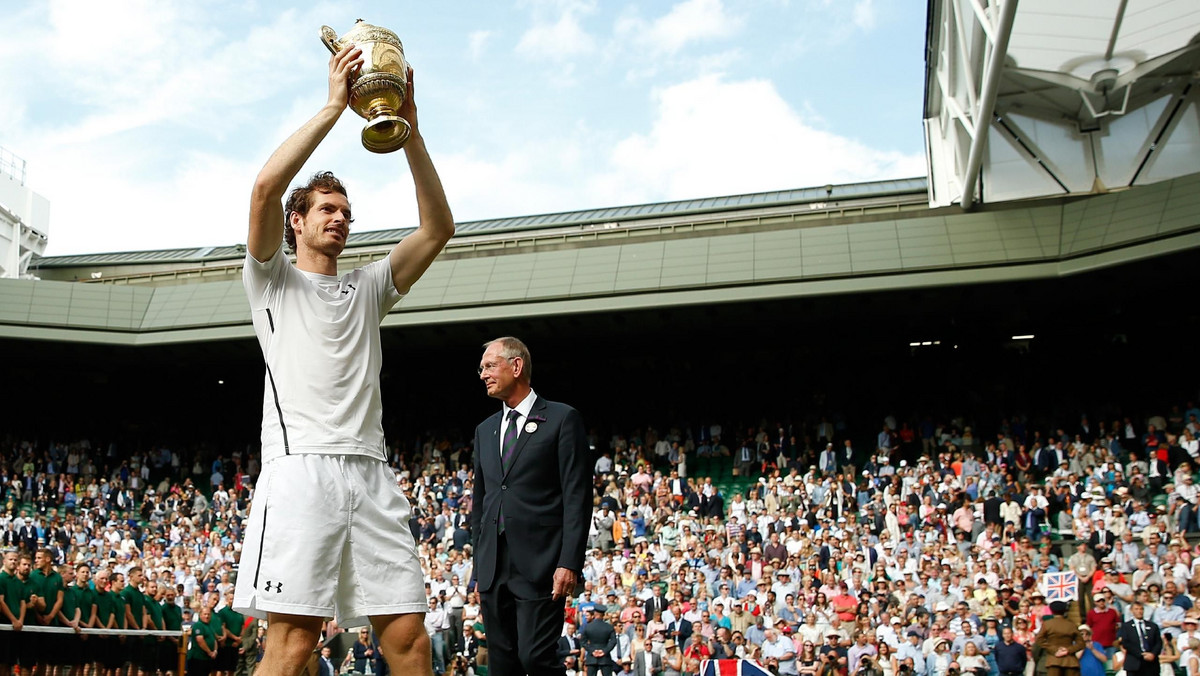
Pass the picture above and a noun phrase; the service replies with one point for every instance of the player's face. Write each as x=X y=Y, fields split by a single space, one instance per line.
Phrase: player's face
x=23 y=568
x=10 y=562
x=326 y=225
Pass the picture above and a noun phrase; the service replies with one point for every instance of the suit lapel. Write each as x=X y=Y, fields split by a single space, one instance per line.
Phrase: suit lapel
x=536 y=414
x=491 y=451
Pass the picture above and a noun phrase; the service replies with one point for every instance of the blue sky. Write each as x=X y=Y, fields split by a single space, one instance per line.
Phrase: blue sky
x=145 y=121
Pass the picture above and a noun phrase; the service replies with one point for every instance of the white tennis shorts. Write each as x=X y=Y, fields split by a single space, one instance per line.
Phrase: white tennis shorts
x=328 y=536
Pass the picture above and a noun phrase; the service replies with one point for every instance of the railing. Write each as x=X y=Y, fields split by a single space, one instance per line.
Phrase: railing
x=12 y=165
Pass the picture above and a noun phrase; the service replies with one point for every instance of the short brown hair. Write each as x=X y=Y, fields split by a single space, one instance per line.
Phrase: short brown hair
x=299 y=200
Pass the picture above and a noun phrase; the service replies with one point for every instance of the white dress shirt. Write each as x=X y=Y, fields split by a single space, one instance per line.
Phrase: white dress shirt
x=523 y=410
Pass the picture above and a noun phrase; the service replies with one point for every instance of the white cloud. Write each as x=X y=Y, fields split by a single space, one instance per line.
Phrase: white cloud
x=563 y=39
x=864 y=14
x=708 y=138
x=687 y=22
x=718 y=138
x=159 y=106
x=477 y=43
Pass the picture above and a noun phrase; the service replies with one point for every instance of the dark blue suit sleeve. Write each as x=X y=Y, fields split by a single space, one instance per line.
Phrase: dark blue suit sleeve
x=575 y=474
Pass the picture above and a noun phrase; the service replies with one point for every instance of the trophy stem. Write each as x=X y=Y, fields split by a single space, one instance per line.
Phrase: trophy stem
x=385 y=133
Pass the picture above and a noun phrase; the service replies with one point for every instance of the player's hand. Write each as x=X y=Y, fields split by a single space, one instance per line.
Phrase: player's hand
x=17 y=624
x=408 y=110
x=342 y=67
x=564 y=579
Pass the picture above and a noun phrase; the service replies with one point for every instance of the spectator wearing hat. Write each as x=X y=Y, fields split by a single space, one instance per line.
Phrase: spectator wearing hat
x=910 y=649
x=939 y=661
x=1104 y=621
x=598 y=639
x=1060 y=639
x=672 y=659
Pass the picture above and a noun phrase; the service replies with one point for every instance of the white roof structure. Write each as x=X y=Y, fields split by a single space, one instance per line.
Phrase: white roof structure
x=1055 y=97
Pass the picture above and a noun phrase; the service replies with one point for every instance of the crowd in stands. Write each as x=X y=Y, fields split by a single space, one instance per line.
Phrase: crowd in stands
x=923 y=553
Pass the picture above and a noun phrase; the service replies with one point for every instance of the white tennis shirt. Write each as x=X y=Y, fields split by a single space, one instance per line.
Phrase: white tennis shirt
x=319 y=336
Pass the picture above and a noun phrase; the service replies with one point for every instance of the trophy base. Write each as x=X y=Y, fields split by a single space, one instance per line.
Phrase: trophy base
x=386 y=134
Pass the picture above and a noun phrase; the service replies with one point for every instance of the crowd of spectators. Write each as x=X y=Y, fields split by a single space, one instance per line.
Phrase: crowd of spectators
x=921 y=553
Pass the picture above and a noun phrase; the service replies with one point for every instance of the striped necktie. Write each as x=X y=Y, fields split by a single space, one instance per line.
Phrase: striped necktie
x=507 y=445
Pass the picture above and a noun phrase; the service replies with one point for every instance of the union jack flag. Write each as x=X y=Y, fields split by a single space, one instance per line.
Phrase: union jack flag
x=731 y=668
x=1060 y=587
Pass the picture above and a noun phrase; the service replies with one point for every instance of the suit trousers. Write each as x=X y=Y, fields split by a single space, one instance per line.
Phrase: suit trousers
x=1062 y=671
x=523 y=622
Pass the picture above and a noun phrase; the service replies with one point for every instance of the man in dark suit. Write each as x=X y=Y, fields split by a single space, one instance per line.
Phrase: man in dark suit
x=568 y=643
x=657 y=602
x=325 y=663
x=533 y=491
x=1101 y=541
x=599 y=639
x=1142 y=642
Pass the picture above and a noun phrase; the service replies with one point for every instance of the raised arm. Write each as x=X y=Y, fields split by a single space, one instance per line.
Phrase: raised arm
x=266 y=201
x=413 y=255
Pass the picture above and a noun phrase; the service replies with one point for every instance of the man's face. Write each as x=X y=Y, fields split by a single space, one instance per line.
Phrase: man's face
x=41 y=559
x=326 y=225
x=24 y=566
x=497 y=372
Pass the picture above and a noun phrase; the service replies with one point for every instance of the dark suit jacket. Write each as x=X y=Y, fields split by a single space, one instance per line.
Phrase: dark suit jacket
x=1095 y=546
x=546 y=494
x=565 y=649
x=1131 y=643
x=652 y=604
x=598 y=635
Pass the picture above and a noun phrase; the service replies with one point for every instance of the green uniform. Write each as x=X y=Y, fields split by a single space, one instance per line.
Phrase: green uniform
x=71 y=603
x=11 y=588
x=106 y=608
x=134 y=600
x=85 y=597
x=231 y=620
x=152 y=645
x=117 y=602
x=201 y=629
x=216 y=625
x=155 y=609
x=48 y=587
x=172 y=616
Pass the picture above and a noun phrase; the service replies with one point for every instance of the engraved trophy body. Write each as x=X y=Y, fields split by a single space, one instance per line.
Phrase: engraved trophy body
x=379 y=88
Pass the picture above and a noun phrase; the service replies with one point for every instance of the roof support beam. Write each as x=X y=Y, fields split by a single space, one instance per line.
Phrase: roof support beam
x=987 y=100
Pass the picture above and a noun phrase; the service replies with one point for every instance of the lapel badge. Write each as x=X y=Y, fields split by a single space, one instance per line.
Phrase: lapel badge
x=530 y=427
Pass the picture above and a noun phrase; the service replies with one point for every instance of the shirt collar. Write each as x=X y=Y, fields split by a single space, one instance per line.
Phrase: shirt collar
x=524 y=407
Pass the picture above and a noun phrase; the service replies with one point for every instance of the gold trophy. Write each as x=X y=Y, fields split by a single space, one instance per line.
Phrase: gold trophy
x=378 y=91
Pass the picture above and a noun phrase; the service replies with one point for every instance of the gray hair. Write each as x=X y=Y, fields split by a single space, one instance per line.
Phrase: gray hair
x=511 y=348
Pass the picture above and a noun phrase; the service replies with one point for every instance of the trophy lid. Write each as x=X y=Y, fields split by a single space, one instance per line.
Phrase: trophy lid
x=360 y=33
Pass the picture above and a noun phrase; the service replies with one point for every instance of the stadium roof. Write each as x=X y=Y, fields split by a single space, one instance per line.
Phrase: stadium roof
x=585 y=217
x=1031 y=99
